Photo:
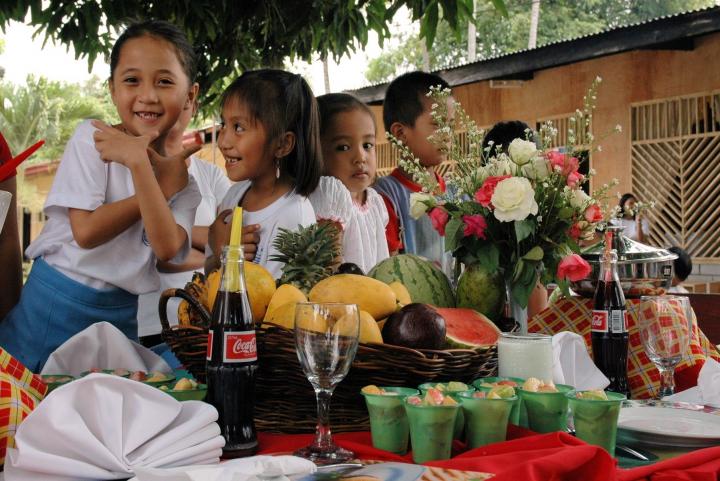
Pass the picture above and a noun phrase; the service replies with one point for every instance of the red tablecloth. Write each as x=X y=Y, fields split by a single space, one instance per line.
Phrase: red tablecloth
x=531 y=457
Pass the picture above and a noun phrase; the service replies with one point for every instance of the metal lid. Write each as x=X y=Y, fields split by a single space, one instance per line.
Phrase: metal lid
x=629 y=251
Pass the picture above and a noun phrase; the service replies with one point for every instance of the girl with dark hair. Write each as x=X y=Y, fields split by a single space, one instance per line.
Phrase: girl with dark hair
x=117 y=205
x=270 y=141
x=347 y=134
x=636 y=226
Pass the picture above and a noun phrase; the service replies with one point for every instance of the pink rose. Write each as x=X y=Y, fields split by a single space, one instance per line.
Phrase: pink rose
x=485 y=193
x=593 y=213
x=574 y=179
x=573 y=268
x=474 y=225
x=439 y=219
x=575 y=231
x=563 y=163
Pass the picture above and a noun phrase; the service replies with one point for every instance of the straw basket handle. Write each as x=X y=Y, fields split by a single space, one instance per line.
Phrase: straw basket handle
x=182 y=294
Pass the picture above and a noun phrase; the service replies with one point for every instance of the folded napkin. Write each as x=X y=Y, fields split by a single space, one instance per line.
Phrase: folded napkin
x=102 y=346
x=572 y=364
x=256 y=468
x=707 y=391
x=103 y=427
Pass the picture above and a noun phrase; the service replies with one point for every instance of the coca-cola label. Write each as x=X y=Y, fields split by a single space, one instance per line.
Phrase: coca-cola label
x=240 y=346
x=208 y=354
x=618 y=321
x=599 y=321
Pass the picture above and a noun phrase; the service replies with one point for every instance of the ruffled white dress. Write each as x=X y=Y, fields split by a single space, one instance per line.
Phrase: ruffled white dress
x=364 y=241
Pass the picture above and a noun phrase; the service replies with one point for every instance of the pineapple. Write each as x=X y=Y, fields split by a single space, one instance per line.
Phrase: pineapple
x=310 y=254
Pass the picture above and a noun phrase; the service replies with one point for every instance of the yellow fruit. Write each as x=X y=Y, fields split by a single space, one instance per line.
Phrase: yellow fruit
x=381 y=323
x=260 y=288
x=283 y=315
x=369 y=331
x=284 y=294
x=372 y=296
x=401 y=292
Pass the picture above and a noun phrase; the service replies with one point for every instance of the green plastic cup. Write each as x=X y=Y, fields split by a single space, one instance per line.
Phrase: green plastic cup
x=596 y=420
x=486 y=419
x=518 y=415
x=431 y=431
x=547 y=411
x=460 y=420
x=388 y=421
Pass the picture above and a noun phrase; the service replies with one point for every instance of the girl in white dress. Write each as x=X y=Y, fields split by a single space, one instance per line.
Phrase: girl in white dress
x=347 y=135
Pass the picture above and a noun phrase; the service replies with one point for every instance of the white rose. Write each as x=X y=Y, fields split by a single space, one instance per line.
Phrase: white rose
x=514 y=199
x=579 y=199
x=537 y=168
x=420 y=203
x=522 y=151
x=502 y=165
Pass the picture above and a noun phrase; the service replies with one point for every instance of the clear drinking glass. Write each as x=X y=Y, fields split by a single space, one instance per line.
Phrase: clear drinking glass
x=665 y=324
x=326 y=340
x=525 y=355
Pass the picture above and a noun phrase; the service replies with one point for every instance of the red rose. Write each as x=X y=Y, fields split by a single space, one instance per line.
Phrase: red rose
x=485 y=193
x=593 y=213
x=563 y=163
x=439 y=219
x=474 y=225
x=575 y=231
x=573 y=268
x=574 y=179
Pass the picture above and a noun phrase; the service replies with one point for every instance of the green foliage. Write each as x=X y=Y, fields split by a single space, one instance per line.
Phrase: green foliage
x=499 y=34
x=236 y=35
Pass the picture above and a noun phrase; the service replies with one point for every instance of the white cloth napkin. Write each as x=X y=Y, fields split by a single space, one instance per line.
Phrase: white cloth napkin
x=102 y=346
x=572 y=364
x=256 y=468
x=707 y=391
x=103 y=427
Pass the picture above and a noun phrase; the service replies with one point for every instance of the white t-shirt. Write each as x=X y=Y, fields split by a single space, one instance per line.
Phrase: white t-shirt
x=84 y=181
x=364 y=241
x=287 y=212
x=631 y=227
x=213 y=185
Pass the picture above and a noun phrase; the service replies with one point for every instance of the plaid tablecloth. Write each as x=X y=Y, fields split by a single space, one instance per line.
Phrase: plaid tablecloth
x=20 y=392
x=573 y=314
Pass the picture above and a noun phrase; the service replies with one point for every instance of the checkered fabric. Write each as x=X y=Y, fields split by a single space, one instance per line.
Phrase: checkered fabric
x=20 y=392
x=574 y=314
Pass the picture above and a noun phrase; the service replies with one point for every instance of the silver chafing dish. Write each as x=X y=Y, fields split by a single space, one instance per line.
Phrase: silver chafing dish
x=643 y=270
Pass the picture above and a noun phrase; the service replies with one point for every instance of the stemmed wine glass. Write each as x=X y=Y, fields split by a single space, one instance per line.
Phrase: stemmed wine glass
x=326 y=340
x=665 y=325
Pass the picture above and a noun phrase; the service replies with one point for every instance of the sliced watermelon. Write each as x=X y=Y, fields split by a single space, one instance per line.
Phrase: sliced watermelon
x=468 y=329
x=425 y=283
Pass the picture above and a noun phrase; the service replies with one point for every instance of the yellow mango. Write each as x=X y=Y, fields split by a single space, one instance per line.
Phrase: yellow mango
x=284 y=294
x=401 y=292
x=369 y=330
x=285 y=316
x=260 y=288
x=371 y=295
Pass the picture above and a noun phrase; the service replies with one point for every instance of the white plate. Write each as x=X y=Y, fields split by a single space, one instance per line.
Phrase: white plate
x=669 y=424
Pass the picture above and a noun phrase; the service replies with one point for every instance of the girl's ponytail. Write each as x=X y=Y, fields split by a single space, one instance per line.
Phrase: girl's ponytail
x=308 y=158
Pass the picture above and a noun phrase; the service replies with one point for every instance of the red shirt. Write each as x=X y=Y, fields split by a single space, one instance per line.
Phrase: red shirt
x=392 y=230
x=5 y=154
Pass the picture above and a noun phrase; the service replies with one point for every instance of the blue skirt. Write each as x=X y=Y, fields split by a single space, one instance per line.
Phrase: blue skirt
x=54 y=307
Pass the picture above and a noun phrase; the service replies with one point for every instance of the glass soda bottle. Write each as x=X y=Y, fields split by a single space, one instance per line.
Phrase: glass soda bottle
x=609 y=334
x=232 y=358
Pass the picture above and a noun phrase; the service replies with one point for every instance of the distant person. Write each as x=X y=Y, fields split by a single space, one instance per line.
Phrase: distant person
x=406 y=115
x=682 y=268
x=636 y=226
x=499 y=137
x=347 y=135
x=10 y=252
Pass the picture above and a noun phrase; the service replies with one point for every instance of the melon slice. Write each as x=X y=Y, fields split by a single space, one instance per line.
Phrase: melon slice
x=467 y=328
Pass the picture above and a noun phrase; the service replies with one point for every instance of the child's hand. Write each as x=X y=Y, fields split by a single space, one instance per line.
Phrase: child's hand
x=219 y=236
x=250 y=240
x=171 y=171
x=115 y=145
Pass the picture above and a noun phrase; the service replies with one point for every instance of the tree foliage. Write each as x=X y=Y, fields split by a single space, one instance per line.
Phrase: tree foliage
x=498 y=34
x=237 y=35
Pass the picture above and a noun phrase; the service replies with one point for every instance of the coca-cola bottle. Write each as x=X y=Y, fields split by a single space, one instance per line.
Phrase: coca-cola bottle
x=609 y=323
x=232 y=358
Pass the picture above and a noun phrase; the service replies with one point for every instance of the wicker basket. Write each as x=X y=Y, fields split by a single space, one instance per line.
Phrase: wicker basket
x=285 y=401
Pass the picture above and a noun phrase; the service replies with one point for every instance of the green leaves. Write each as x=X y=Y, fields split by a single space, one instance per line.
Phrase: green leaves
x=453 y=233
x=524 y=229
x=534 y=254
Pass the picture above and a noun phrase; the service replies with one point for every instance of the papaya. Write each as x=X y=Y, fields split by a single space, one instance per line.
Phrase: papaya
x=371 y=295
x=284 y=294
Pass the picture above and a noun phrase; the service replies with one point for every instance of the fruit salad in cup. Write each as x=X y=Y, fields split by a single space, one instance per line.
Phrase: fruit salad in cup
x=432 y=397
x=592 y=395
x=497 y=392
x=537 y=385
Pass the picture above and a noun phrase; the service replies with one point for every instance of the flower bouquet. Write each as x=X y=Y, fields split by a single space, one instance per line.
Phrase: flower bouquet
x=520 y=212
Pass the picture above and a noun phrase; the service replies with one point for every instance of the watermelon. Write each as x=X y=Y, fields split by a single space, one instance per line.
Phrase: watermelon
x=425 y=282
x=468 y=329
x=479 y=290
